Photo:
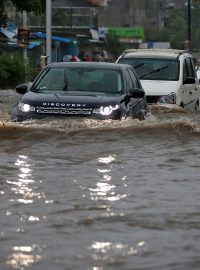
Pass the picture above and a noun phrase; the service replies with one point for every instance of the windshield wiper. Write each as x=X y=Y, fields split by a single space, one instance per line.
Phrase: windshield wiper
x=142 y=64
x=153 y=71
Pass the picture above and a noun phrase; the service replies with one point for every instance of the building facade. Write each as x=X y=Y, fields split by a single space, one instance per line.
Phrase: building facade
x=74 y=23
x=152 y=15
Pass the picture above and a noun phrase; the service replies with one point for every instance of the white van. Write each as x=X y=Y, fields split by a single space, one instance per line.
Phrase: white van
x=168 y=76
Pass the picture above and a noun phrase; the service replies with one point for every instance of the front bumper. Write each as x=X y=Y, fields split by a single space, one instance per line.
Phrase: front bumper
x=18 y=116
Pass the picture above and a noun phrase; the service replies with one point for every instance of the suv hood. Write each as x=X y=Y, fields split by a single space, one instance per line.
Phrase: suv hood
x=159 y=88
x=60 y=99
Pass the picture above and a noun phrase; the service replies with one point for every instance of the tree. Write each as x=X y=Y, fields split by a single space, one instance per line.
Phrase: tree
x=12 y=70
x=3 y=17
x=176 y=28
x=35 y=6
x=195 y=22
x=114 y=46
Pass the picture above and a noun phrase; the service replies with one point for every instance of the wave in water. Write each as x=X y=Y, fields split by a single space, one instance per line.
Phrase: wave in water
x=9 y=130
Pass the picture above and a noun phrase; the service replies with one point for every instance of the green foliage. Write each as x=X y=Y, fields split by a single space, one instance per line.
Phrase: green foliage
x=195 y=22
x=114 y=46
x=176 y=28
x=3 y=17
x=35 y=6
x=12 y=71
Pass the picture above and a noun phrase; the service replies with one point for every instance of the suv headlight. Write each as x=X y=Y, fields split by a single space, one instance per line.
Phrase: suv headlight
x=105 y=110
x=169 y=99
x=24 y=107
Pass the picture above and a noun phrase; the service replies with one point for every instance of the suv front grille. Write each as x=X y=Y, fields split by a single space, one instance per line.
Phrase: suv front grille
x=64 y=111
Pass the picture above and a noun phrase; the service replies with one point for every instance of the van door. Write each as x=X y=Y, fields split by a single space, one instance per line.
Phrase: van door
x=190 y=84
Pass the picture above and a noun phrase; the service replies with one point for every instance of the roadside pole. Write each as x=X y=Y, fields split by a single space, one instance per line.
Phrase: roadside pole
x=48 y=30
x=189 y=20
x=25 y=53
x=189 y=23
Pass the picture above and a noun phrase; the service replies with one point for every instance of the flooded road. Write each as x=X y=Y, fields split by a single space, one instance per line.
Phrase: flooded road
x=99 y=195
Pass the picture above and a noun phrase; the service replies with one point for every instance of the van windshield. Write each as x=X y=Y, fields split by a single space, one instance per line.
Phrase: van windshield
x=154 y=68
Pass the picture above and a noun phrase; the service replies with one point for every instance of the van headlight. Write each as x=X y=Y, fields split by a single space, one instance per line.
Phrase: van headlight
x=169 y=99
x=105 y=110
x=24 y=107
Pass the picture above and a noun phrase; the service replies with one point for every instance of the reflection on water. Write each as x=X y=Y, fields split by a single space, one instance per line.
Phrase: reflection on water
x=104 y=248
x=23 y=185
x=105 y=190
x=21 y=256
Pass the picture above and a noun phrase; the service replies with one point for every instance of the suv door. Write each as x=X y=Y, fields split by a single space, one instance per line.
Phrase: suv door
x=190 y=84
x=137 y=107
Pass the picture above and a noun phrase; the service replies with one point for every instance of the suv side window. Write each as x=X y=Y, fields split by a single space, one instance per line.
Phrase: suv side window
x=134 y=79
x=129 y=81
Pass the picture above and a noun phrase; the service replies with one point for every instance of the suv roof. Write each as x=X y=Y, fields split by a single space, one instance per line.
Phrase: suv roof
x=105 y=65
x=160 y=53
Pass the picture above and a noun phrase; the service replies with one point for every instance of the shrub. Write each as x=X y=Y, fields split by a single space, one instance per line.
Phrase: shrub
x=12 y=70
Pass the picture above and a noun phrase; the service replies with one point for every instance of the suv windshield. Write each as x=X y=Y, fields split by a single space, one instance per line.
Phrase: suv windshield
x=154 y=68
x=79 y=79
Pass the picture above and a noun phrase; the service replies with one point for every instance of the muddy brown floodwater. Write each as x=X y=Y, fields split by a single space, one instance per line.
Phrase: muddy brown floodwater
x=99 y=195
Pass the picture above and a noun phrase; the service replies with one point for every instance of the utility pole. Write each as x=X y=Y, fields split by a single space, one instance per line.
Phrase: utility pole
x=189 y=20
x=187 y=43
x=48 y=30
x=25 y=52
x=24 y=18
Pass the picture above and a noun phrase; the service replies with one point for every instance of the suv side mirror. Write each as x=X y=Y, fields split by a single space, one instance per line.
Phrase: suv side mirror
x=189 y=80
x=136 y=93
x=22 y=88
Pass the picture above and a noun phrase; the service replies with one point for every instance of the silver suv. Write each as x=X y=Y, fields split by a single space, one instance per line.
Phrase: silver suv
x=168 y=76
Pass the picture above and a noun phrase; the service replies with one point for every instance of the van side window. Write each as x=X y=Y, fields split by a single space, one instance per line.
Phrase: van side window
x=193 y=67
x=185 y=70
x=191 y=72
